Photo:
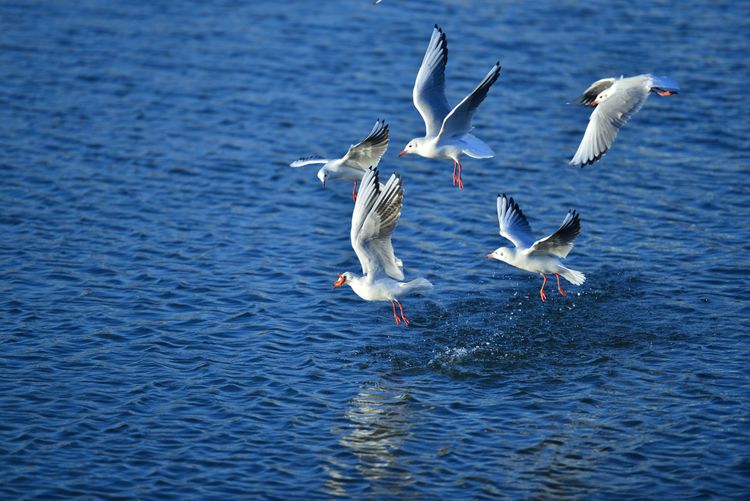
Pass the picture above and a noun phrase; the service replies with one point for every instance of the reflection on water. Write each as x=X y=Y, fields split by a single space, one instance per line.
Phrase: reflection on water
x=379 y=424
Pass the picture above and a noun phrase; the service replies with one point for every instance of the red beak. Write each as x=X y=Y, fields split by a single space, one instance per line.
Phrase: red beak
x=489 y=256
x=402 y=153
x=340 y=281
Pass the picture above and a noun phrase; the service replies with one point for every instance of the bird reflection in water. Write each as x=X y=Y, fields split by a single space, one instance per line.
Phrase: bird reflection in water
x=379 y=424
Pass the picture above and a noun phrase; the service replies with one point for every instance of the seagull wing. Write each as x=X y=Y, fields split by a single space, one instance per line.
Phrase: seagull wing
x=308 y=161
x=429 y=88
x=608 y=117
x=370 y=150
x=458 y=121
x=561 y=241
x=513 y=224
x=375 y=215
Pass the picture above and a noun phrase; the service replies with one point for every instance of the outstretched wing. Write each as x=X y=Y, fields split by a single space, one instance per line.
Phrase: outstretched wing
x=375 y=215
x=370 y=150
x=607 y=118
x=561 y=241
x=458 y=121
x=308 y=161
x=513 y=224
x=429 y=88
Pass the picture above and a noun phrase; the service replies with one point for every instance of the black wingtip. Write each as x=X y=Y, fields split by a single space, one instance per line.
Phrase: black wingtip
x=377 y=177
x=592 y=161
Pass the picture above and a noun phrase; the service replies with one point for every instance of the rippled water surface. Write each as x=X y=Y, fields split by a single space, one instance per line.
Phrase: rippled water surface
x=169 y=328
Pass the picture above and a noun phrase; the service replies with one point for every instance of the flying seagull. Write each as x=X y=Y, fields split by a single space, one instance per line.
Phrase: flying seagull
x=616 y=100
x=357 y=160
x=376 y=213
x=537 y=256
x=448 y=130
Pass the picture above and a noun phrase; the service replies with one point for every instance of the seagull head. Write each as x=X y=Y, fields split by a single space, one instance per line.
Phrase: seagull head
x=411 y=147
x=323 y=175
x=603 y=96
x=342 y=279
x=503 y=254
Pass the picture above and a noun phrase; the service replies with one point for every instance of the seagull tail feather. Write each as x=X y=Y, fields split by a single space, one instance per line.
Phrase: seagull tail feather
x=573 y=276
x=416 y=286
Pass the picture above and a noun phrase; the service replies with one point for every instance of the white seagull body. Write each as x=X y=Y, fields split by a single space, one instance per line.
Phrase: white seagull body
x=360 y=157
x=537 y=256
x=447 y=133
x=616 y=100
x=376 y=213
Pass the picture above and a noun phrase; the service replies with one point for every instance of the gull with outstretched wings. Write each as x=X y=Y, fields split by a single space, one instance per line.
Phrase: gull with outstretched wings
x=537 y=256
x=376 y=213
x=360 y=157
x=616 y=100
x=447 y=131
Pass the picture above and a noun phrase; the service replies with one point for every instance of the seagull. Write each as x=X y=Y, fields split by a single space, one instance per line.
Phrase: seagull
x=616 y=100
x=357 y=160
x=447 y=131
x=540 y=256
x=374 y=218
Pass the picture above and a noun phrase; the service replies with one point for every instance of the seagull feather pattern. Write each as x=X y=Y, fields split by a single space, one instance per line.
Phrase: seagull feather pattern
x=373 y=222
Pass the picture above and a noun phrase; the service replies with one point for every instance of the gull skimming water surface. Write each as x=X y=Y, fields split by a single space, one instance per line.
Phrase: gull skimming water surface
x=537 y=256
x=374 y=218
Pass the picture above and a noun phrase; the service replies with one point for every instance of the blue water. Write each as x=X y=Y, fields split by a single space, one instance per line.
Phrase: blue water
x=168 y=325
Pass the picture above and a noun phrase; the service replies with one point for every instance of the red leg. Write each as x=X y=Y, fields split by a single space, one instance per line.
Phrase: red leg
x=454 y=172
x=395 y=317
x=541 y=291
x=460 y=180
x=406 y=321
x=354 y=192
x=558 y=285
